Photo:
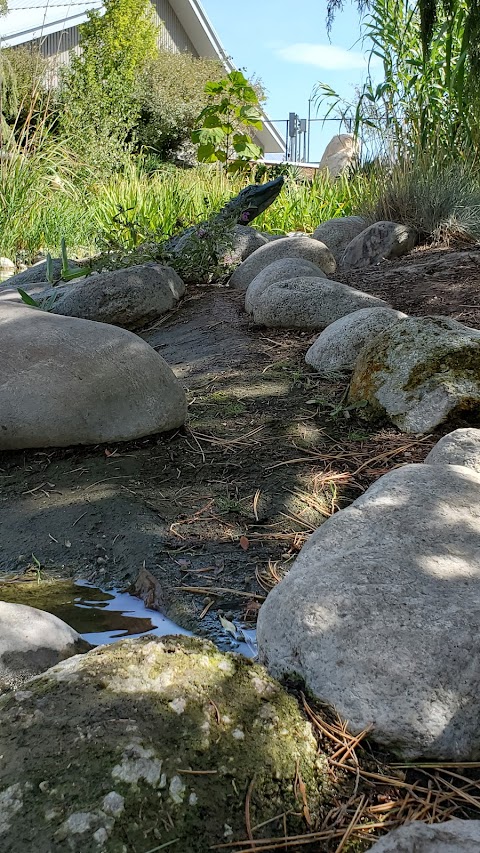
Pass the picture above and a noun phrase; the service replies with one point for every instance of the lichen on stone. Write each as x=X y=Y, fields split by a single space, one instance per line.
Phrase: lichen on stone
x=122 y=754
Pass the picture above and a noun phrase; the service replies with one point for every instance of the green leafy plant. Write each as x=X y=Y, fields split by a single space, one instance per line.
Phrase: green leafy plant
x=232 y=110
x=44 y=304
x=37 y=568
x=67 y=273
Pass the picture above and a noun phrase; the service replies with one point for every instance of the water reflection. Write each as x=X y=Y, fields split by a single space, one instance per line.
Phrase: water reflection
x=102 y=616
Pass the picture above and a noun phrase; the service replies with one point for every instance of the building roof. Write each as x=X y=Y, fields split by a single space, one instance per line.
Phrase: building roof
x=27 y=20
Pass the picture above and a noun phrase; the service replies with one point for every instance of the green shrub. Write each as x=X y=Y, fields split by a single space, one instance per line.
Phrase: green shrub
x=170 y=95
x=98 y=105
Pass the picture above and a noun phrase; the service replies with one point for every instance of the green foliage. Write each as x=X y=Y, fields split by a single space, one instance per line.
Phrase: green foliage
x=9 y=95
x=429 y=13
x=136 y=211
x=223 y=135
x=205 y=255
x=38 y=197
x=44 y=304
x=171 y=94
x=22 y=81
x=67 y=273
x=99 y=109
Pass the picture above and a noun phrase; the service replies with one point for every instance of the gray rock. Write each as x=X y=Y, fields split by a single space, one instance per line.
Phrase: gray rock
x=381 y=241
x=32 y=641
x=379 y=613
x=38 y=273
x=246 y=241
x=281 y=270
x=287 y=247
x=115 y=738
x=6 y=264
x=336 y=349
x=7 y=268
x=270 y=237
x=131 y=297
x=419 y=372
x=454 y=836
x=66 y=381
x=461 y=447
x=308 y=303
x=337 y=233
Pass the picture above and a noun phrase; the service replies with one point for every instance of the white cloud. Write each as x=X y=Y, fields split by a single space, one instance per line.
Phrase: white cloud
x=326 y=56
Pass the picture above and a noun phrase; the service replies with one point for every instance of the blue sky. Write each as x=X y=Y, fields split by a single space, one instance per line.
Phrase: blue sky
x=285 y=43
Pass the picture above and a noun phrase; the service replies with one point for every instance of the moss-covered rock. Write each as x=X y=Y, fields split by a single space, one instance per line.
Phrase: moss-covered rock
x=420 y=372
x=137 y=744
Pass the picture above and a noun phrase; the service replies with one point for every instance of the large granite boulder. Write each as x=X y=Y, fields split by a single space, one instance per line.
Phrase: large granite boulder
x=460 y=447
x=32 y=641
x=340 y=154
x=131 y=297
x=66 y=381
x=419 y=372
x=150 y=744
x=308 y=303
x=381 y=241
x=281 y=270
x=453 y=836
x=336 y=349
x=287 y=247
x=339 y=232
x=379 y=613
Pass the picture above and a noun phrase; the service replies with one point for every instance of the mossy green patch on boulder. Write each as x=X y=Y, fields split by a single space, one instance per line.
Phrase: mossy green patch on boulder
x=146 y=741
x=420 y=372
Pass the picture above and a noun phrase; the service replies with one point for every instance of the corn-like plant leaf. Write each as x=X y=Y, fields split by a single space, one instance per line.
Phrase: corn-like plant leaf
x=25 y=297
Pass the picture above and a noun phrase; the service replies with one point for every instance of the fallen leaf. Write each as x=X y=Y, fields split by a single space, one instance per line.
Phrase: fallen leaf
x=244 y=543
x=228 y=626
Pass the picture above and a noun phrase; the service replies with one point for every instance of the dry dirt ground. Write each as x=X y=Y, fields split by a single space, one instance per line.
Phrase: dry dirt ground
x=218 y=510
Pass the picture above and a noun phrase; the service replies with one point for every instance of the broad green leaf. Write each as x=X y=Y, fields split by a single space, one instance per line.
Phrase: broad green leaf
x=248 y=149
x=213 y=88
x=212 y=119
x=206 y=153
x=211 y=136
x=27 y=299
x=238 y=78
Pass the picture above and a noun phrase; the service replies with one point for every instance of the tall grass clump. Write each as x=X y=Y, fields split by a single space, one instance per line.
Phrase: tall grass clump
x=40 y=201
x=136 y=207
x=420 y=125
x=440 y=200
x=427 y=100
x=303 y=205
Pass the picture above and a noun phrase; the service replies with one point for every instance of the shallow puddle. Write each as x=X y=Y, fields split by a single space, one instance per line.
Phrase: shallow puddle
x=102 y=616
